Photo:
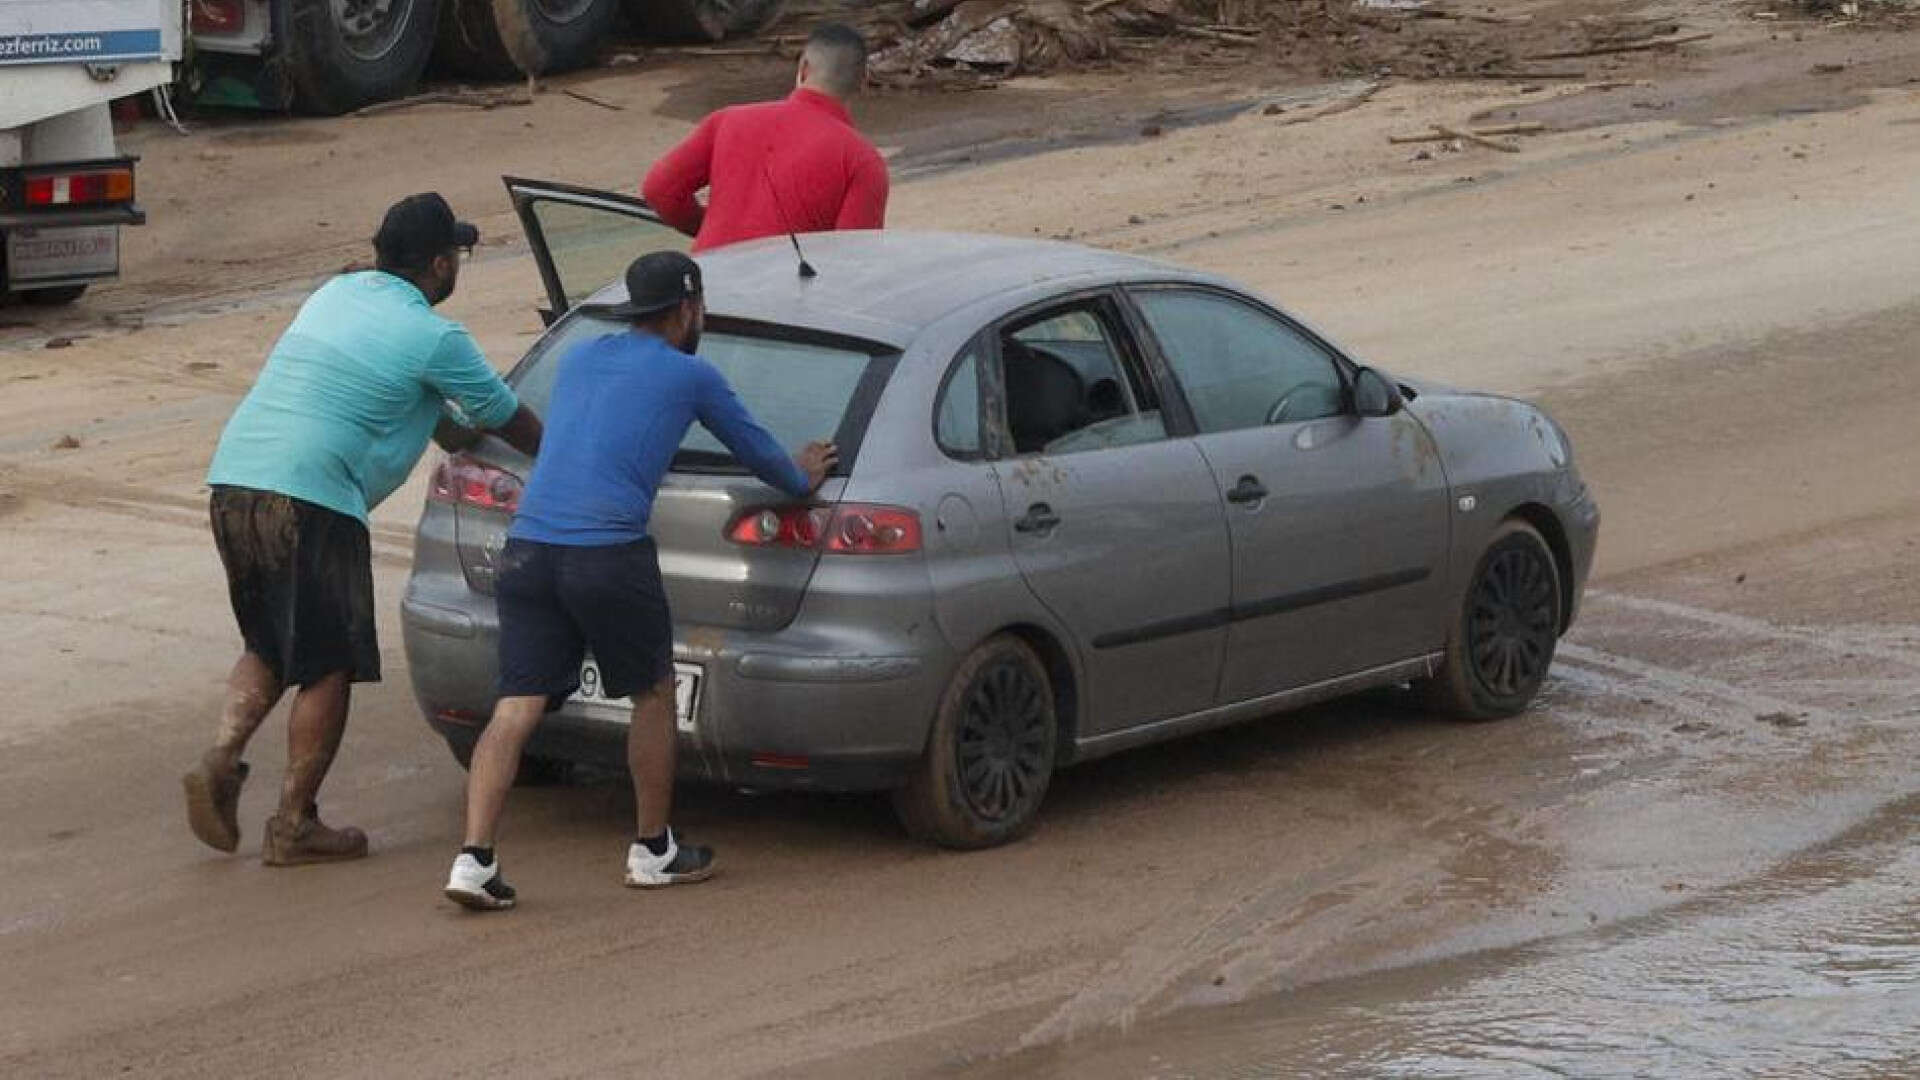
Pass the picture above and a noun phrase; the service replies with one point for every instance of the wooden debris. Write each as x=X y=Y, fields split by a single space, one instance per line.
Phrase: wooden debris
x=1623 y=47
x=591 y=100
x=1525 y=75
x=1301 y=116
x=1218 y=35
x=1439 y=134
x=1480 y=140
x=478 y=99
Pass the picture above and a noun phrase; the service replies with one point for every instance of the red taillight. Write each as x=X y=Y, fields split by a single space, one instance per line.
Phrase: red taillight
x=80 y=189
x=787 y=526
x=873 y=530
x=847 y=529
x=467 y=482
x=219 y=16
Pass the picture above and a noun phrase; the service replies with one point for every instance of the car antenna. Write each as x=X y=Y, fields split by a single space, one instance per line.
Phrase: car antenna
x=806 y=268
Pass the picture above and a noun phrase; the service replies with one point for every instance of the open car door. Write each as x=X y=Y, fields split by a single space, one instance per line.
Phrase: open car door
x=583 y=239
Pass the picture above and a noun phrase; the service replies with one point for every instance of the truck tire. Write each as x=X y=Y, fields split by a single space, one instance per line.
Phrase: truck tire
x=502 y=39
x=343 y=54
x=702 y=20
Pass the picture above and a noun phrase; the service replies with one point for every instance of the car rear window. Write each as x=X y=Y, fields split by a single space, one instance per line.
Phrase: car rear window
x=799 y=390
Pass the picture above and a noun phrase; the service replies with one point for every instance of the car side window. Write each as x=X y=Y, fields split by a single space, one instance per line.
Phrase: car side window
x=1069 y=386
x=956 y=419
x=1240 y=366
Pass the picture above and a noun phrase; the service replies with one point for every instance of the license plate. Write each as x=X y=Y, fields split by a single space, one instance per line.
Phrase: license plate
x=686 y=692
x=56 y=256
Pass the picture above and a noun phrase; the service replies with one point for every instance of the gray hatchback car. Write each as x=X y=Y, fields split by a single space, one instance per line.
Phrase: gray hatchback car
x=1085 y=502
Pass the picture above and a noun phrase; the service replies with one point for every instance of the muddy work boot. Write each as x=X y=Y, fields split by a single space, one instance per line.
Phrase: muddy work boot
x=291 y=840
x=213 y=801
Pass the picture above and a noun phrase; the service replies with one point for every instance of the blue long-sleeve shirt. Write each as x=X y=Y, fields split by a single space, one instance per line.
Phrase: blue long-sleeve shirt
x=621 y=405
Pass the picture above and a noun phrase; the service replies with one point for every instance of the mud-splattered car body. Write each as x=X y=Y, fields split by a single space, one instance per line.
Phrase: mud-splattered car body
x=1086 y=502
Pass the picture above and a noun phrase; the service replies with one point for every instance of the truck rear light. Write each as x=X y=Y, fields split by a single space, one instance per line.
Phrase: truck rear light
x=847 y=529
x=465 y=482
x=91 y=188
x=219 y=16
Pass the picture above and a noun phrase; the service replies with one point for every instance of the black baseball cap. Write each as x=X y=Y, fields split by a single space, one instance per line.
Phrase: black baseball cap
x=655 y=282
x=418 y=228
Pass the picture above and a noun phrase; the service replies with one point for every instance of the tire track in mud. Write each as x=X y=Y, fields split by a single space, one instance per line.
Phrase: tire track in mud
x=392 y=544
x=1645 y=658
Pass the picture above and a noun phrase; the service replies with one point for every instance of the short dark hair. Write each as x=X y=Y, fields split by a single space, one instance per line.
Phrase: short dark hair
x=838 y=55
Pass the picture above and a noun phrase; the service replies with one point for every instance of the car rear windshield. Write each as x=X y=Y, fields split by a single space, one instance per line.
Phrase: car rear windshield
x=800 y=390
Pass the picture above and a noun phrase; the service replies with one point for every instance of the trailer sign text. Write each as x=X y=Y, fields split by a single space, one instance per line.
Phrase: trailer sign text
x=84 y=31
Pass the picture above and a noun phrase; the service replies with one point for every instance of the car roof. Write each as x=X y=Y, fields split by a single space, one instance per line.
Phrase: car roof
x=887 y=285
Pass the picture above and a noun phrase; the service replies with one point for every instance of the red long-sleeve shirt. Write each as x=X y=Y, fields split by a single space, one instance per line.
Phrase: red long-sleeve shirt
x=794 y=165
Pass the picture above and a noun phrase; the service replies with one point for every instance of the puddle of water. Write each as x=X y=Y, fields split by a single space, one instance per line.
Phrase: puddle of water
x=1810 y=970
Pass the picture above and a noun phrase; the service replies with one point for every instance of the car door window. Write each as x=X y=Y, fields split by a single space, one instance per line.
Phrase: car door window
x=1239 y=366
x=956 y=419
x=1070 y=385
x=583 y=239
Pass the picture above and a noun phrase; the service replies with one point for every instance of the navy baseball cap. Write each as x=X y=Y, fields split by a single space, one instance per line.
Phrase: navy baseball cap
x=655 y=282
x=418 y=228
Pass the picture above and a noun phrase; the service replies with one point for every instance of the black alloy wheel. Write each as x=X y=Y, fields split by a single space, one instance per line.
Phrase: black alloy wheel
x=1004 y=741
x=1512 y=619
x=1506 y=628
x=990 y=751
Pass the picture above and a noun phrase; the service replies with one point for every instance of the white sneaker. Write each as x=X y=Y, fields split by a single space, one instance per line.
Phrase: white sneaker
x=478 y=887
x=678 y=865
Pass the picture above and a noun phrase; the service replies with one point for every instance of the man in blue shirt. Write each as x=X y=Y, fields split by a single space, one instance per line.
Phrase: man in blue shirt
x=338 y=417
x=579 y=572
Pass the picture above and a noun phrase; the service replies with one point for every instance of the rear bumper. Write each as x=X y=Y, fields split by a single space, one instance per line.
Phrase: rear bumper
x=840 y=700
x=123 y=214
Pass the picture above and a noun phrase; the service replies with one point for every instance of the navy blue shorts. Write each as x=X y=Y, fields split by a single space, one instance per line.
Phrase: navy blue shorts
x=559 y=603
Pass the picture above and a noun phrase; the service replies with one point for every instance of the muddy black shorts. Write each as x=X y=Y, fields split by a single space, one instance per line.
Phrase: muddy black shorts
x=559 y=603
x=301 y=580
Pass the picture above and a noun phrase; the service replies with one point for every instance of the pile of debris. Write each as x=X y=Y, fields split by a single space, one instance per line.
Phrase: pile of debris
x=971 y=43
x=943 y=40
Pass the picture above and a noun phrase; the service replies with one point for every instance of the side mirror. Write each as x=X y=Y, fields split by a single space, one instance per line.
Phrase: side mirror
x=1375 y=394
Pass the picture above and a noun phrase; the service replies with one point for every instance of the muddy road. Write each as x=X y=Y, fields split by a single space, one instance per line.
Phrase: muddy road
x=1694 y=857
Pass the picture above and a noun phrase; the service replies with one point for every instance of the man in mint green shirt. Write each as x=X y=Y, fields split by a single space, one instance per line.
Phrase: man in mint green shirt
x=350 y=396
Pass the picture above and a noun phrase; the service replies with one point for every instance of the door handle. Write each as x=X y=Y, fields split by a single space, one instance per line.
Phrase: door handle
x=1248 y=490
x=1040 y=519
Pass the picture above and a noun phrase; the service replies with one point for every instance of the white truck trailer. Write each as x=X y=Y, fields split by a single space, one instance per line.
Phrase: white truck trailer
x=65 y=188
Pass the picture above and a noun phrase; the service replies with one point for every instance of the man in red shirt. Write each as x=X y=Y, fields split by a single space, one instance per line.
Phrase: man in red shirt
x=777 y=167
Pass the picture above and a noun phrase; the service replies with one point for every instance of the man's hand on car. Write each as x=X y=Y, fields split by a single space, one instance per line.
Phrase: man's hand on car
x=817 y=460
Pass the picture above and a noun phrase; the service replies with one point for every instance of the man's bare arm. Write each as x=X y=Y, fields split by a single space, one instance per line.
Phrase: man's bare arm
x=522 y=431
x=455 y=437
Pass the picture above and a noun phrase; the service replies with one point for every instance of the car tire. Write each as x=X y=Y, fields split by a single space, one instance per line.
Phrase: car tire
x=503 y=39
x=1502 y=640
x=54 y=297
x=533 y=771
x=702 y=20
x=990 y=754
x=335 y=65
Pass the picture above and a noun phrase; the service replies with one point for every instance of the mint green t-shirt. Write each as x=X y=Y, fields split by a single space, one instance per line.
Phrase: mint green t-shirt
x=351 y=393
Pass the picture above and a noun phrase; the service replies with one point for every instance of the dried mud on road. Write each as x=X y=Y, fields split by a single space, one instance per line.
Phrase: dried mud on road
x=1703 y=272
